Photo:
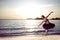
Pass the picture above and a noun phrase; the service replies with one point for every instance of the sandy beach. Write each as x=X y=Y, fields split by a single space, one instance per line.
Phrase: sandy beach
x=32 y=37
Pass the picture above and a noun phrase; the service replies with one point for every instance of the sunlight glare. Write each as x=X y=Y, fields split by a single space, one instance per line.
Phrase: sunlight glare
x=30 y=24
x=32 y=10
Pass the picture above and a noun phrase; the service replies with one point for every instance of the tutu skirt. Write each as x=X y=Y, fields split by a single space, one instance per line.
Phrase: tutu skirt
x=48 y=26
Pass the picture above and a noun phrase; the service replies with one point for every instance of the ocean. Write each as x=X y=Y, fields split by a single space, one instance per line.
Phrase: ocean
x=13 y=27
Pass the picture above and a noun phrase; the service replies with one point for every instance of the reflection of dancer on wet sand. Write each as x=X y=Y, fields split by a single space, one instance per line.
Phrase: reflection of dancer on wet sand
x=47 y=25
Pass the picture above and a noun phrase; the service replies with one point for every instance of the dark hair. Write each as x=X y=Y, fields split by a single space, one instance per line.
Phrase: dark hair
x=43 y=16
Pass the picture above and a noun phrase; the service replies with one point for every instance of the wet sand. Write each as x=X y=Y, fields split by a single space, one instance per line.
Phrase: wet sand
x=32 y=37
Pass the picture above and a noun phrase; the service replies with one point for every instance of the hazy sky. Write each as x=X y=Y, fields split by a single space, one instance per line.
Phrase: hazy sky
x=21 y=9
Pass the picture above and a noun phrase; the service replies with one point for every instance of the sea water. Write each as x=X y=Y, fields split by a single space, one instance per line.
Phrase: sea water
x=18 y=26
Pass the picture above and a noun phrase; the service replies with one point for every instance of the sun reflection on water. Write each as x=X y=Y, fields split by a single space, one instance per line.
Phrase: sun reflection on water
x=30 y=24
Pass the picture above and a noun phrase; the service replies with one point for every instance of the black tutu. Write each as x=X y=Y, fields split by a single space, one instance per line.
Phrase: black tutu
x=48 y=26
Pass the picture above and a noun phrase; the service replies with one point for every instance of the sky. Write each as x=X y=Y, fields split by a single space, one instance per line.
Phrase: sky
x=22 y=9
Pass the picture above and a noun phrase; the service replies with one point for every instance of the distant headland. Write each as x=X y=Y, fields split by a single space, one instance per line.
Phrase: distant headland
x=41 y=18
x=55 y=19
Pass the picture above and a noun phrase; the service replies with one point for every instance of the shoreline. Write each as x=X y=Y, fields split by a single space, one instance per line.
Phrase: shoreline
x=32 y=37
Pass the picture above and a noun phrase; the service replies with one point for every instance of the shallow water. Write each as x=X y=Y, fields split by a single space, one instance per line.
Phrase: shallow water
x=26 y=23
